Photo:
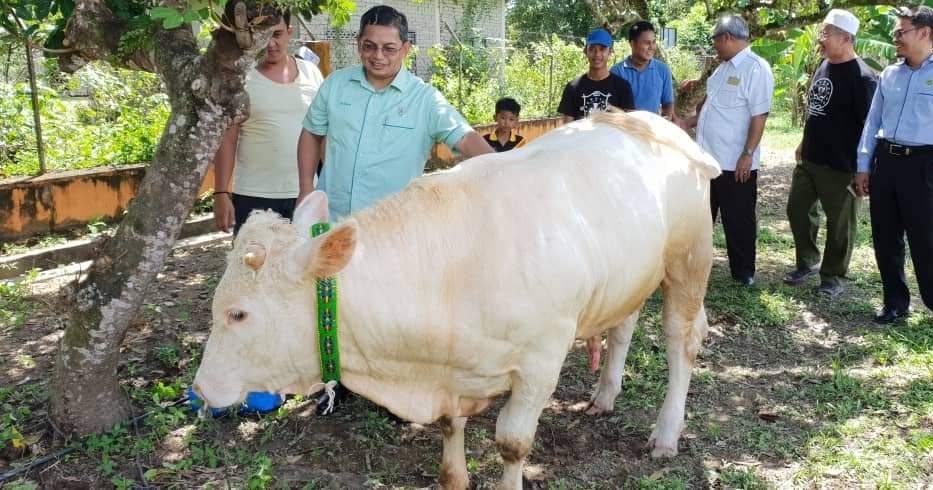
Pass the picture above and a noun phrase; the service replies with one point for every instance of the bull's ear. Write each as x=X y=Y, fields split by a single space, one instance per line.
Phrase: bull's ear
x=329 y=253
x=312 y=209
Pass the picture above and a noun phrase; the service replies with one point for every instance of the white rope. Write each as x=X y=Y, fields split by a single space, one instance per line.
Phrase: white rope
x=331 y=396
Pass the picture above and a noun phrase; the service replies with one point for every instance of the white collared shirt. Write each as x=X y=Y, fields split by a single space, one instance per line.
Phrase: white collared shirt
x=738 y=90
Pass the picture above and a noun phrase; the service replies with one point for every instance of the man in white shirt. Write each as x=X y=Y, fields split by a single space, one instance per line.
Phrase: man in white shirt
x=730 y=123
x=259 y=153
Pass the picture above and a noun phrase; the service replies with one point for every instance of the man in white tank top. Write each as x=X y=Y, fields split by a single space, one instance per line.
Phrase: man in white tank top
x=258 y=155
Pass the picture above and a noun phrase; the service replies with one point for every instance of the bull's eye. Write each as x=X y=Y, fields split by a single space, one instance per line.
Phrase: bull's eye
x=236 y=315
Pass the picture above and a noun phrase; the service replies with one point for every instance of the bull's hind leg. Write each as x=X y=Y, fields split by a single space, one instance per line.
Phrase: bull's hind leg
x=610 y=378
x=454 y=474
x=685 y=327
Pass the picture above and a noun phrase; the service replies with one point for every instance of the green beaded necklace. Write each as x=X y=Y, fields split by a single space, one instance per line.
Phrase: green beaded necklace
x=327 y=319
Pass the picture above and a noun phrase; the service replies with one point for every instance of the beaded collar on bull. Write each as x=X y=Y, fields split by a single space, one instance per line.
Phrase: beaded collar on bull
x=327 y=326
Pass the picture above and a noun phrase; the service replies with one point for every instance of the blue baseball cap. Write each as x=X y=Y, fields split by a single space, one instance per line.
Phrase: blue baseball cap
x=599 y=36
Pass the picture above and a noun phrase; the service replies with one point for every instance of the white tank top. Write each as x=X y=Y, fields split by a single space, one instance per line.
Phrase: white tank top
x=267 y=148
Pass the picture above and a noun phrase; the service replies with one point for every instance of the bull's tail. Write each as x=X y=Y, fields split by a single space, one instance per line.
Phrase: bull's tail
x=654 y=129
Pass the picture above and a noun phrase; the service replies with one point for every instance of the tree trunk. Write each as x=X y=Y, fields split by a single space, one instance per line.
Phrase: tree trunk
x=686 y=101
x=36 y=116
x=206 y=95
x=6 y=69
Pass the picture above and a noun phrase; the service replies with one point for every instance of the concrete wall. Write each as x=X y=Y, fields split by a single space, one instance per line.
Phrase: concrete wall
x=63 y=200
x=426 y=19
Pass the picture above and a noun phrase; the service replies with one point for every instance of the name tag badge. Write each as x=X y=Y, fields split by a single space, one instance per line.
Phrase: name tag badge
x=734 y=81
x=930 y=83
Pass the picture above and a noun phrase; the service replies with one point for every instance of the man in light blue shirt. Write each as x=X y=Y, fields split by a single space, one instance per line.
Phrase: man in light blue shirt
x=650 y=79
x=380 y=122
x=896 y=151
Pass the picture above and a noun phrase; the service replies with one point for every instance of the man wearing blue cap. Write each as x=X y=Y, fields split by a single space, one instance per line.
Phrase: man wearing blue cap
x=597 y=89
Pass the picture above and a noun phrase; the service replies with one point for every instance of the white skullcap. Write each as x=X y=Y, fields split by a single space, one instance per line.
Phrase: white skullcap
x=842 y=19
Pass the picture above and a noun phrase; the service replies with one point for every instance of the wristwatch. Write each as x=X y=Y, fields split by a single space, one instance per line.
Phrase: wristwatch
x=747 y=152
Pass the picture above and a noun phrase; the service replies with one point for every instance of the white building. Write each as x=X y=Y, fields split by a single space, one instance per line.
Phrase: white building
x=430 y=22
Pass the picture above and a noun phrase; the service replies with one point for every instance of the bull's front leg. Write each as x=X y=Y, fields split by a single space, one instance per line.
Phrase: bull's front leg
x=532 y=387
x=454 y=474
x=610 y=379
x=685 y=334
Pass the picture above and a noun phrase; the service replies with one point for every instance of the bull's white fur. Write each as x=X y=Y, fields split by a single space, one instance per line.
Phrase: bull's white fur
x=476 y=281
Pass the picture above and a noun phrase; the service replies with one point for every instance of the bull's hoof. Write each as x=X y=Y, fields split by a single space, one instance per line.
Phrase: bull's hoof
x=660 y=449
x=454 y=483
x=663 y=452
x=596 y=409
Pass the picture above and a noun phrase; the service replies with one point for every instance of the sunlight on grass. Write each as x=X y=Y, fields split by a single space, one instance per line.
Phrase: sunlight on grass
x=780 y=133
x=867 y=450
x=750 y=307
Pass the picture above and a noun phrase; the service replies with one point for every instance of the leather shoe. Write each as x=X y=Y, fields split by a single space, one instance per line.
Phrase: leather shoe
x=746 y=281
x=890 y=315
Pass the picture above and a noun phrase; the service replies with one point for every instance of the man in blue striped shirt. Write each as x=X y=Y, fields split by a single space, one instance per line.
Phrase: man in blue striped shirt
x=896 y=156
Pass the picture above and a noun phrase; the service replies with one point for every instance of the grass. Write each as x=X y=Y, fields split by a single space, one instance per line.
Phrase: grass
x=781 y=133
x=15 y=304
x=792 y=390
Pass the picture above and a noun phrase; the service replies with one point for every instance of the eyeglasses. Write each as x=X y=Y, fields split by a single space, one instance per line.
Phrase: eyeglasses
x=899 y=33
x=372 y=48
x=826 y=33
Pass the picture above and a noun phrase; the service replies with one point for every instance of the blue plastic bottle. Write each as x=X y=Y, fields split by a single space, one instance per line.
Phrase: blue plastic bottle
x=256 y=402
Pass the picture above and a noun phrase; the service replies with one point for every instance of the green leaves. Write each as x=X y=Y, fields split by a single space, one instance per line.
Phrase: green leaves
x=27 y=18
x=170 y=17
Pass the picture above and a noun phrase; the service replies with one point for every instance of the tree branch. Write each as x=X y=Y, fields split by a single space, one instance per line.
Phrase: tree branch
x=768 y=30
x=93 y=33
x=756 y=29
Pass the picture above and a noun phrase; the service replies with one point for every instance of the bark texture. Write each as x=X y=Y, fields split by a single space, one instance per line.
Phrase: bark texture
x=206 y=95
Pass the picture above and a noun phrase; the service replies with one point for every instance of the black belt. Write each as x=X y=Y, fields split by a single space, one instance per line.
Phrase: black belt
x=905 y=150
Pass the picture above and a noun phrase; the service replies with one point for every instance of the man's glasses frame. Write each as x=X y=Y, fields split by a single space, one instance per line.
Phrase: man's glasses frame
x=389 y=50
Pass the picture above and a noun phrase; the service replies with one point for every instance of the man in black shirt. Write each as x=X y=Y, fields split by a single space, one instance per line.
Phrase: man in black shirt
x=597 y=89
x=839 y=98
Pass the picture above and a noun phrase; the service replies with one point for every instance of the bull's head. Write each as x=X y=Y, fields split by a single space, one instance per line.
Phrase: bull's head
x=264 y=335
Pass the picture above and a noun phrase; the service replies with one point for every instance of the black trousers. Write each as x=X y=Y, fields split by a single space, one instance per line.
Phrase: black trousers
x=243 y=205
x=736 y=202
x=901 y=191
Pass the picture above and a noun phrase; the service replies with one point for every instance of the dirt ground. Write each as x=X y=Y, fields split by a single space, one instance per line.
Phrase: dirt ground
x=766 y=395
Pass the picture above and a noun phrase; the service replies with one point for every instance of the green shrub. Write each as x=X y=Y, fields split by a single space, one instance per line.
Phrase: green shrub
x=119 y=123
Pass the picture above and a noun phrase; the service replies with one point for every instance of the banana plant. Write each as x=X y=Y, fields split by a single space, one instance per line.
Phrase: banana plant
x=792 y=60
x=874 y=42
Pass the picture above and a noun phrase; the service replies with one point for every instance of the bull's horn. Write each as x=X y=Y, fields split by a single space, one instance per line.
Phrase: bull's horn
x=255 y=257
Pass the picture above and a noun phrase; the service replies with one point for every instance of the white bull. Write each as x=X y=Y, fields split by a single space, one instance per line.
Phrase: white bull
x=476 y=281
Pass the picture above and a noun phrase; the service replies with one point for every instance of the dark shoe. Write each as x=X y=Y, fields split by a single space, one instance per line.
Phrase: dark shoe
x=340 y=395
x=890 y=315
x=746 y=281
x=831 y=289
x=797 y=276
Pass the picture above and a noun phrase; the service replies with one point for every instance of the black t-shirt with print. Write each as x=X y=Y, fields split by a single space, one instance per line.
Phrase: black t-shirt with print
x=837 y=105
x=584 y=96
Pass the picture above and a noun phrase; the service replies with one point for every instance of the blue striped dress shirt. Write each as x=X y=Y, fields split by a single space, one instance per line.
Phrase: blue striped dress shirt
x=901 y=110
